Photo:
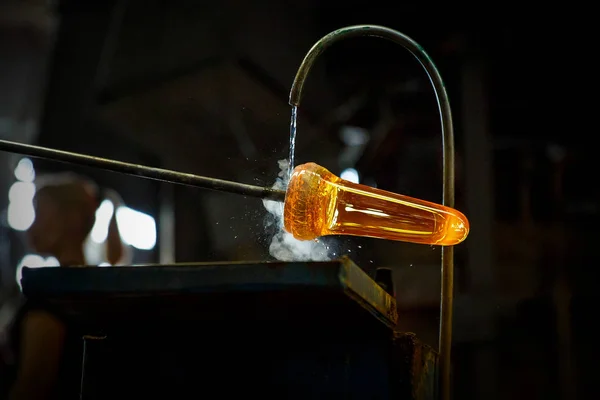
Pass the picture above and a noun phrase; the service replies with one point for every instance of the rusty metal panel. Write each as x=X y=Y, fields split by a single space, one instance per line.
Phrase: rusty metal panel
x=212 y=290
x=416 y=367
x=278 y=330
x=362 y=288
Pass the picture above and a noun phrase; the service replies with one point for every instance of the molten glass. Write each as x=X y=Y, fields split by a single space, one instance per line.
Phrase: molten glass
x=318 y=203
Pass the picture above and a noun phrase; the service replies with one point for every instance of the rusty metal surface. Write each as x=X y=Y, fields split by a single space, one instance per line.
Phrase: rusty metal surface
x=303 y=363
x=416 y=367
x=275 y=330
x=212 y=291
x=271 y=330
x=363 y=289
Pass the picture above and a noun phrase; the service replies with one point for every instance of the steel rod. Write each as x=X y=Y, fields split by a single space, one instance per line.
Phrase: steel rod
x=157 y=174
x=447 y=293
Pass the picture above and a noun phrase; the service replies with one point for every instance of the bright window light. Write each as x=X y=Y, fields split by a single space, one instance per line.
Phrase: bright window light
x=34 y=261
x=24 y=171
x=20 y=216
x=103 y=215
x=137 y=229
x=21 y=192
x=21 y=213
x=350 y=174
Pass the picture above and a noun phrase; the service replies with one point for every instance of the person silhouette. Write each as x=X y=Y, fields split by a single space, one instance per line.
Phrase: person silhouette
x=65 y=212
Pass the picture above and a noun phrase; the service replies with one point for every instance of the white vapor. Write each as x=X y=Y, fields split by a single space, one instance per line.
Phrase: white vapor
x=283 y=246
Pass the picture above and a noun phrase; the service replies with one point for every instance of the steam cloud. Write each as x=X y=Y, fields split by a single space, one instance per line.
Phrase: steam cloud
x=283 y=246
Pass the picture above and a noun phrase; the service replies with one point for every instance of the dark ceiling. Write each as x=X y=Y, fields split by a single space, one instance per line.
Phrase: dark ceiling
x=203 y=87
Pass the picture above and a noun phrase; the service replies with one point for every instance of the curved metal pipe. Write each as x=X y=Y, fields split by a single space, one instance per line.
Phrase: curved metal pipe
x=445 y=334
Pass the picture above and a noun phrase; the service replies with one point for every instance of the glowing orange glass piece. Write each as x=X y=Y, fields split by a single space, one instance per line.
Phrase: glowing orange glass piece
x=318 y=203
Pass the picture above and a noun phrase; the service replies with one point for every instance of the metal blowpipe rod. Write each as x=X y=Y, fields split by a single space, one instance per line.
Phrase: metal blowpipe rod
x=157 y=174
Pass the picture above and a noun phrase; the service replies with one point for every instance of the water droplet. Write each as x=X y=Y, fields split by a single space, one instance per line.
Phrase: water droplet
x=371 y=261
x=360 y=247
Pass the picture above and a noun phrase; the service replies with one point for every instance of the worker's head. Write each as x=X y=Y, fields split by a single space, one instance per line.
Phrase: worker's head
x=65 y=213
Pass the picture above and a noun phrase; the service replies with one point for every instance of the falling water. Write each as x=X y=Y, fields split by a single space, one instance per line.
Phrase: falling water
x=292 y=139
x=284 y=246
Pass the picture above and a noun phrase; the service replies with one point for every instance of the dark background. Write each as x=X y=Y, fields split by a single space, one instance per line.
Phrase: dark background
x=202 y=87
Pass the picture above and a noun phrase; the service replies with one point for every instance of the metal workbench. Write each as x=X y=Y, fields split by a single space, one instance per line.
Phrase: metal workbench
x=321 y=330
